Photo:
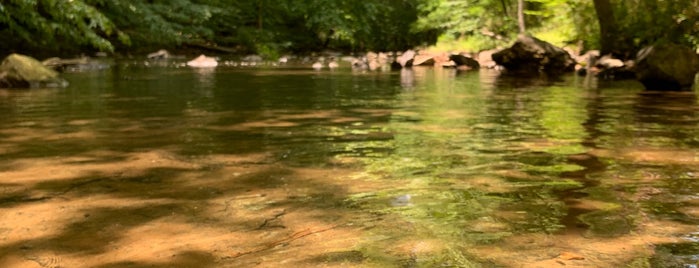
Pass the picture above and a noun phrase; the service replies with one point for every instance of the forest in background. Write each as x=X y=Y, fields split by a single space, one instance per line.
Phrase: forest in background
x=270 y=28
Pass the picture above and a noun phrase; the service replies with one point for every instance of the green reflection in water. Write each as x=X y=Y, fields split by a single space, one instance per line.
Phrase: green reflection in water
x=454 y=141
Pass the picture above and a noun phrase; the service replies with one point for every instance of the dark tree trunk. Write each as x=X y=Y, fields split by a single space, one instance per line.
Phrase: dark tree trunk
x=259 y=14
x=607 y=25
x=520 y=16
x=504 y=8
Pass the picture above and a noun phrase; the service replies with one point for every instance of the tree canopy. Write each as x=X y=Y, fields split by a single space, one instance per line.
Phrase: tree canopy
x=270 y=27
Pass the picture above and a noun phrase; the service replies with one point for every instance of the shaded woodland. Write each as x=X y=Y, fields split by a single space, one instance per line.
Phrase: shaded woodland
x=270 y=28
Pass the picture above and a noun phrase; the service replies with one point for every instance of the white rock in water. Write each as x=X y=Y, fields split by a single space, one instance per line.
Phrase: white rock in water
x=333 y=65
x=203 y=62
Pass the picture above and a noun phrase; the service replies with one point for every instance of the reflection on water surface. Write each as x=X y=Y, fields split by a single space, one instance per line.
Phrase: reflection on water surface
x=418 y=168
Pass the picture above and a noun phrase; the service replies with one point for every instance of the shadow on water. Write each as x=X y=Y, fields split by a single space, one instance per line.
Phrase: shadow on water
x=126 y=159
x=102 y=212
x=162 y=167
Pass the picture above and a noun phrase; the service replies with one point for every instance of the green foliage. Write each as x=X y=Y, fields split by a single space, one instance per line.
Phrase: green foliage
x=645 y=22
x=270 y=27
x=562 y=22
x=466 y=18
x=478 y=25
x=56 y=24
x=584 y=22
x=159 y=23
x=471 y=43
x=355 y=25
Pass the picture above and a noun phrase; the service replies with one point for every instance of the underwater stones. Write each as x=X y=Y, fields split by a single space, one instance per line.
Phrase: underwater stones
x=401 y=200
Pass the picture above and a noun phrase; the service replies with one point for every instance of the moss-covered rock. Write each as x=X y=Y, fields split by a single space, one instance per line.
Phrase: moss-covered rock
x=667 y=67
x=19 y=71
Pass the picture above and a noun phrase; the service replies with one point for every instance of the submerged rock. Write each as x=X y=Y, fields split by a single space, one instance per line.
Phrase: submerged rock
x=401 y=200
x=667 y=67
x=607 y=223
x=531 y=55
x=20 y=71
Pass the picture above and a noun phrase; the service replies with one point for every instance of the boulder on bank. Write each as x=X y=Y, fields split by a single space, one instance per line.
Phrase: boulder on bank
x=424 y=59
x=20 y=71
x=485 y=58
x=406 y=59
x=667 y=67
x=376 y=61
x=530 y=54
x=466 y=63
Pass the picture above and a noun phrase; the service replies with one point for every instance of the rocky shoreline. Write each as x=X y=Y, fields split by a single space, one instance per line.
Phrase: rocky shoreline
x=666 y=67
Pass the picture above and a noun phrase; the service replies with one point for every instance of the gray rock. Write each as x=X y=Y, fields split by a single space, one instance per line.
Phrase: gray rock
x=589 y=58
x=667 y=67
x=462 y=60
x=425 y=59
x=610 y=68
x=252 y=58
x=529 y=54
x=159 y=55
x=406 y=59
x=485 y=58
x=609 y=62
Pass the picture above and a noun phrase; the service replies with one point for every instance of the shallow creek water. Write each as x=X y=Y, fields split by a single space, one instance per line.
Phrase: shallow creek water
x=137 y=166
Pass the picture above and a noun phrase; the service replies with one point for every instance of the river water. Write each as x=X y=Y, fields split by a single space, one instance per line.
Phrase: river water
x=166 y=166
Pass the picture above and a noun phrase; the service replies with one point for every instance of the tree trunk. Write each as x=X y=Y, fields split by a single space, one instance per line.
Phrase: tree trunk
x=520 y=16
x=504 y=8
x=259 y=14
x=607 y=26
